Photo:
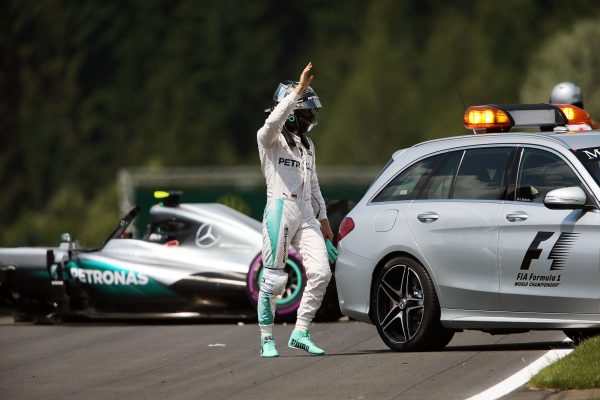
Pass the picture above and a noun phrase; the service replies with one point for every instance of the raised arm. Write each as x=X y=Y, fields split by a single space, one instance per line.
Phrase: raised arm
x=269 y=133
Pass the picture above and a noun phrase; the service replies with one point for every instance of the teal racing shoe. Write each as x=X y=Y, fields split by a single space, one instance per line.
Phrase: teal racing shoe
x=267 y=347
x=301 y=340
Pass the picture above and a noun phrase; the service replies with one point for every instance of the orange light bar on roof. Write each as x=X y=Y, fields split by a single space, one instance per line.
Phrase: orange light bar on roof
x=486 y=117
x=575 y=115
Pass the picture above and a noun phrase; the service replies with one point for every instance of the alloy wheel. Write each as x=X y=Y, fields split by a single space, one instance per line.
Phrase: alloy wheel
x=400 y=303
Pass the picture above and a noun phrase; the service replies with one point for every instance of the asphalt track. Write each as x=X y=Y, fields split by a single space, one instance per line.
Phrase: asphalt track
x=220 y=361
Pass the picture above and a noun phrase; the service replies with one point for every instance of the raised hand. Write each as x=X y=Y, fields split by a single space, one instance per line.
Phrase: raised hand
x=305 y=79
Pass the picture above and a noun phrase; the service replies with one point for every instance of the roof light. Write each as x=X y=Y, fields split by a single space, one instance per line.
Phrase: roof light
x=486 y=117
x=575 y=115
x=501 y=118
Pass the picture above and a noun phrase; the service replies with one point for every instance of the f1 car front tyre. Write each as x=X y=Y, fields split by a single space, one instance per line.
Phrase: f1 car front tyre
x=406 y=310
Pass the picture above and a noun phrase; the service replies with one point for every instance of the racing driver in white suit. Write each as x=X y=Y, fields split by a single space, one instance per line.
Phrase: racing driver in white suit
x=294 y=203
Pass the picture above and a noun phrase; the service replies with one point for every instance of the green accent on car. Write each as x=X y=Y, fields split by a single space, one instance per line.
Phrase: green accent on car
x=41 y=273
x=111 y=280
x=273 y=213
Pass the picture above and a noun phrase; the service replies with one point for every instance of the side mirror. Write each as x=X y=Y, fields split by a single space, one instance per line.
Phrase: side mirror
x=568 y=198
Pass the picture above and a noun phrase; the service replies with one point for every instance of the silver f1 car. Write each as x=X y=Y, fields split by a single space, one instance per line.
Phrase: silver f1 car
x=195 y=260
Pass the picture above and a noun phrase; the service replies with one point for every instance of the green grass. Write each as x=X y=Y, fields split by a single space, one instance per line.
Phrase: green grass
x=5 y=311
x=578 y=370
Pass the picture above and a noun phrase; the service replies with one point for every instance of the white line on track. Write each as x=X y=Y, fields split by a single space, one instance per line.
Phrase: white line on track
x=522 y=377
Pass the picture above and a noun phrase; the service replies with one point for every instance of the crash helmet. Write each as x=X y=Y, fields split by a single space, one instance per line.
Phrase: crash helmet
x=567 y=93
x=299 y=122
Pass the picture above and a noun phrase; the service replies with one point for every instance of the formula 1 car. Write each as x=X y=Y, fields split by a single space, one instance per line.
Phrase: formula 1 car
x=195 y=260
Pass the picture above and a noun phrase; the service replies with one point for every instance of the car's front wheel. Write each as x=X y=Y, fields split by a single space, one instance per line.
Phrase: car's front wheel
x=405 y=307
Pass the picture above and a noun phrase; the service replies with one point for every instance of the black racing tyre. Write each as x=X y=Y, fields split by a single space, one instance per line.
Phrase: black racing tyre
x=579 y=335
x=405 y=307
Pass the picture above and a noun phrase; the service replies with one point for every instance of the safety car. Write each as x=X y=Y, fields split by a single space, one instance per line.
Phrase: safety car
x=496 y=231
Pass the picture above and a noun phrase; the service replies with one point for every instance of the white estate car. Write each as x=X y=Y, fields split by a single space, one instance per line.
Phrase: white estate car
x=498 y=232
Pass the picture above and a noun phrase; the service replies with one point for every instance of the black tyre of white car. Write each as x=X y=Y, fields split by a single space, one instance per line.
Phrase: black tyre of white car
x=406 y=310
x=579 y=335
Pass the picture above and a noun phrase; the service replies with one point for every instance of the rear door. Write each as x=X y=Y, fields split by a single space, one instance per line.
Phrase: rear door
x=454 y=223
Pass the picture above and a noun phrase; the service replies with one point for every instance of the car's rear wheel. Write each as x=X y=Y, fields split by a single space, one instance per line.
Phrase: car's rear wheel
x=289 y=302
x=406 y=310
x=579 y=335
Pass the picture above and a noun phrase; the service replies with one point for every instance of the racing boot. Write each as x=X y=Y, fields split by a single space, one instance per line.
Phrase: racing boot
x=301 y=340
x=267 y=347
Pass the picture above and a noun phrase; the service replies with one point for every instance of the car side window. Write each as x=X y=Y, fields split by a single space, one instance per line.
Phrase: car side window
x=440 y=183
x=540 y=172
x=481 y=174
x=406 y=185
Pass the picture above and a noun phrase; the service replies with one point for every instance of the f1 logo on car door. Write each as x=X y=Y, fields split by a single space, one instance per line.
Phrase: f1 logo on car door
x=558 y=255
x=559 y=251
x=549 y=259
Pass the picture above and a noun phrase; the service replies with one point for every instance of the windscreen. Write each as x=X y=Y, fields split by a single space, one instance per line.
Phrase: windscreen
x=590 y=158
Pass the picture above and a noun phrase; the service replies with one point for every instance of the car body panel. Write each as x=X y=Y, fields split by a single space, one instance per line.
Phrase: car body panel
x=474 y=254
x=465 y=278
x=565 y=275
x=29 y=263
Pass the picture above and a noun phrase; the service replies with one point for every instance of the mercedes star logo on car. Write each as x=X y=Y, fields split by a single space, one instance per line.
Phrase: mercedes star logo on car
x=206 y=236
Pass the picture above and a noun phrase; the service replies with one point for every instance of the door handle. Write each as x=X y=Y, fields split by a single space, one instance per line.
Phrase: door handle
x=517 y=216
x=428 y=217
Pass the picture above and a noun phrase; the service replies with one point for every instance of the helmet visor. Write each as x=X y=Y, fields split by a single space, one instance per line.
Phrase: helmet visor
x=282 y=90
x=310 y=101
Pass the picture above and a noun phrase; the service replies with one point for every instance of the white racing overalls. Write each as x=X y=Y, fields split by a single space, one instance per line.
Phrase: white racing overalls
x=294 y=202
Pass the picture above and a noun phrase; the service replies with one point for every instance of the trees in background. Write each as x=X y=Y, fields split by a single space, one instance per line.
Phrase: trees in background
x=90 y=87
x=571 y=55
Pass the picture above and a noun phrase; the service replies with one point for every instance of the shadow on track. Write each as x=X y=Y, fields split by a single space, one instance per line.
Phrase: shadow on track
x=513 y=346
x=354 y=353
x=548 y=345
